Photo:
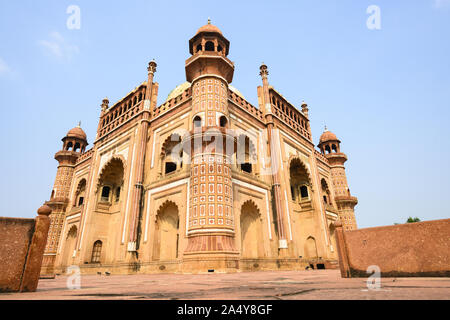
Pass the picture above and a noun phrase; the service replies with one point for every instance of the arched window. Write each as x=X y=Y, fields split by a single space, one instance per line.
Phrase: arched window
x=69 y=146
x=77 y=147
x=105 y=193
x=299 y=180
x=197 y=122
x=223 y=121
x=96 y=251
x=334 y=148
x=110 y=183
x=199 y=47
x=209 y=46
x=327 y=149
x=219 y=48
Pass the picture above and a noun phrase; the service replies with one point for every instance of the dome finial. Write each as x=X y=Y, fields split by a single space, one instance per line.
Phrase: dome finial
x=79 y=124
x=209 y=20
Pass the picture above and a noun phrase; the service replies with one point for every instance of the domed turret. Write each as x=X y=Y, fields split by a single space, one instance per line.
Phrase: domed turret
x=77 y=132
x=75 y=140
x=209 y=28
x=329 y=143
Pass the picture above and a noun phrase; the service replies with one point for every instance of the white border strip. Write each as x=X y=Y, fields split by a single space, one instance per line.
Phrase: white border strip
x=288 y=215
x=159 y=189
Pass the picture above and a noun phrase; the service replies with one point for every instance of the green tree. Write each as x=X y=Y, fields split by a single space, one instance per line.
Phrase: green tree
x=411 y=220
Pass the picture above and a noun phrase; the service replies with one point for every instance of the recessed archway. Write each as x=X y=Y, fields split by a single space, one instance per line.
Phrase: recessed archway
x=69 y=246
x=167 y=227
x=251 y=231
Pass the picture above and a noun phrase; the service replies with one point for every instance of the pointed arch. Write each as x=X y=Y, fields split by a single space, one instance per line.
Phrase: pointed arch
x=299 y=179
x=115 y=161
x=250 y=230
x=311 y=248
x=80 y=193
x=166 y=235
x=169 y=143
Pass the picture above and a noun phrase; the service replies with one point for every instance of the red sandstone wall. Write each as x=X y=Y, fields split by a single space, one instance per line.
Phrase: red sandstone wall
x=412 y=249
x=15 y=240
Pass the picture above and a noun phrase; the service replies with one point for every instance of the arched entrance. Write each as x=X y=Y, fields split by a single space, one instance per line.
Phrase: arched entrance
x=167 y=232
x=69 y=246
x=251 y=233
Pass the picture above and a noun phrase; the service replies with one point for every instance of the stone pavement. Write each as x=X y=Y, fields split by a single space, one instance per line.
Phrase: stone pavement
x=313 y=284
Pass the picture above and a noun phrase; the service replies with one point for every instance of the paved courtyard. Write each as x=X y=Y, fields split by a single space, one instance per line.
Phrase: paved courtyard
x=313 y=284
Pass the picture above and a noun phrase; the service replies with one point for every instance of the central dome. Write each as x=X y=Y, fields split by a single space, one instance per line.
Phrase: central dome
x=182 y=87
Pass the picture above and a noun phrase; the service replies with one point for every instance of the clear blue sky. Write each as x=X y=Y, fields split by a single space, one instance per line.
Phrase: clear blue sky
x=385 y=93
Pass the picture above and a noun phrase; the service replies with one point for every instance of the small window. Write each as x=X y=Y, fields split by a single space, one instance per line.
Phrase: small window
x=209 y=46
x=170 y=167
x=327 y=149
x=105 y=193
x=247 y=167
x=304 y=191
x=293 y=193
x=334 y=148
x=197 y=122
x=80 y=201
x=223 y=121
x=69 y=146
x=325 y=199
x=96 y=251
x=219 y=48
x=199 y=47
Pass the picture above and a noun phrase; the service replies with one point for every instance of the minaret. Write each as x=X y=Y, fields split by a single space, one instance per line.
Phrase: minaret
x=141 y=150
x=330 y=147
x=275 y=165
x=211 y=224
x=74 y=144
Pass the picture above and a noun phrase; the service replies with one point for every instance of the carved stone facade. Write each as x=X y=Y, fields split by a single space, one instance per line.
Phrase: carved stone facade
x=204 y=182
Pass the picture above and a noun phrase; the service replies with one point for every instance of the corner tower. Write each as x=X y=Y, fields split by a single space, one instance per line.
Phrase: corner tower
x=211 y=225
x=329 y=146
x=74 y=144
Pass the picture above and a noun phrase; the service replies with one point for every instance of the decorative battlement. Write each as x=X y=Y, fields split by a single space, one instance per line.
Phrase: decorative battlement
x=286 y=112
x=320 y=156
x=122 y=111
x=169 y=104
x=244 y=104
x=84 y=156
